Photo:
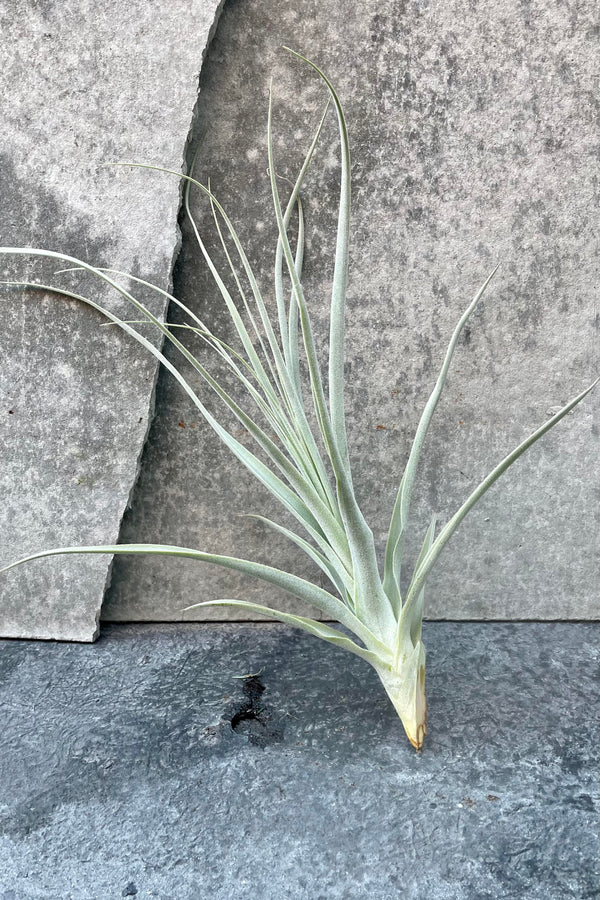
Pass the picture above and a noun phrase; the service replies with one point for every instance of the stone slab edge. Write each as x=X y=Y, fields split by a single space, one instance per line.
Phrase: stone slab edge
x=60 y=598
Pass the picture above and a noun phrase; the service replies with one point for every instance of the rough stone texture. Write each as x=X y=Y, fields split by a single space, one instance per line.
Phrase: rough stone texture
x=121 y=773
x=83 y=84
x=475 y=140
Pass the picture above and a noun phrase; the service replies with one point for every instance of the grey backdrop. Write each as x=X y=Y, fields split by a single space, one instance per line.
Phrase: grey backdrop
x=474 y=133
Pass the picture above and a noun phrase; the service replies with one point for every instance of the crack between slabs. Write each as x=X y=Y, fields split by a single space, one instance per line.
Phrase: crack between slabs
x=184 y=166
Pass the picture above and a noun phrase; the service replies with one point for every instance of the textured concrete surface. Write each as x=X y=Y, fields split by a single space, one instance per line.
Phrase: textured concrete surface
x=83 y=84
x=144 y=765
x=474 y=140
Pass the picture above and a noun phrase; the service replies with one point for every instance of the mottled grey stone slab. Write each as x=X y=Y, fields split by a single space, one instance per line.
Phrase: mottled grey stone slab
x=474 y=140
x=121 y=773
x=83 y=84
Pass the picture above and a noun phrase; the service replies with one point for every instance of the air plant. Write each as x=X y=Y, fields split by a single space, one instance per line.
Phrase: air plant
x=308 y=468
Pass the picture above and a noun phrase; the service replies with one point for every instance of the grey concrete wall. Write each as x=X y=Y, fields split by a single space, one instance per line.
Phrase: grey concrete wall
x=83 y=84
x=474 y=132
x=474 y=139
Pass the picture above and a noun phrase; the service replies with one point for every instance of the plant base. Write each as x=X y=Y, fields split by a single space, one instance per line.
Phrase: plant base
x=405 y=686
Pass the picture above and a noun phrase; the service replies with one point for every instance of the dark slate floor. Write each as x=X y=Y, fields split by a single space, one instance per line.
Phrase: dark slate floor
x=122 y=776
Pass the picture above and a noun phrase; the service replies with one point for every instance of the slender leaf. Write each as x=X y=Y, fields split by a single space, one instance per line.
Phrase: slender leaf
x=333 y=568
x=292 y=584
x=402 y=505
x=371 y=601
x=289 y=394
x=340 y=278
x=286 y=496
x=451 y=526
x=293 y=201
x=411 y=618
x=312 y=626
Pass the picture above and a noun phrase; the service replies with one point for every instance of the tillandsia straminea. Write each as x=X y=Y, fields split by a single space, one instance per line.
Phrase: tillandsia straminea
x=308 y=469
